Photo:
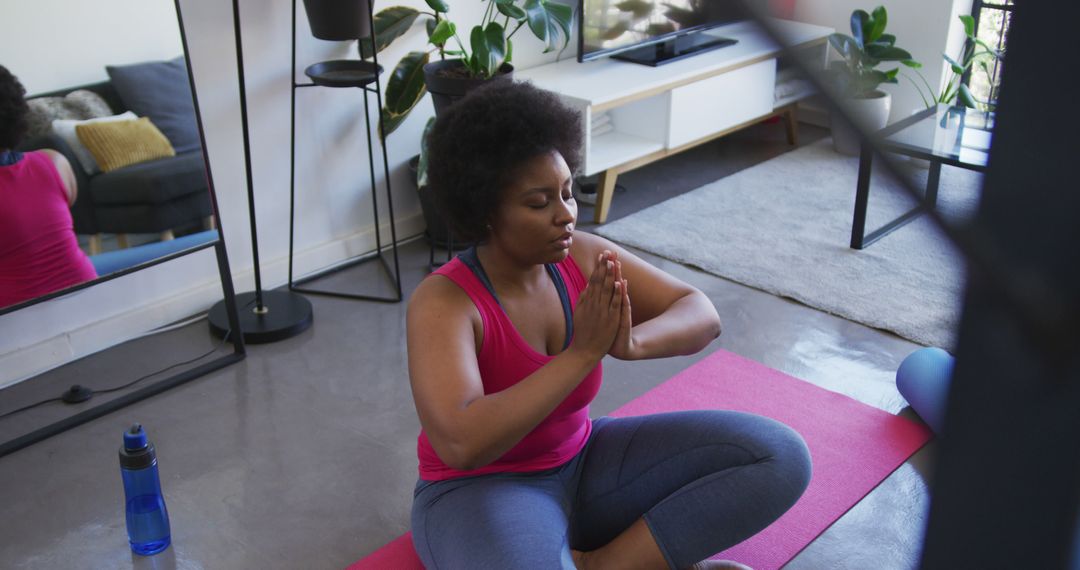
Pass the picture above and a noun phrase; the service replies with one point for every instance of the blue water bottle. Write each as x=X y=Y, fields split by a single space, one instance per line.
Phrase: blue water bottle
x=147 y=518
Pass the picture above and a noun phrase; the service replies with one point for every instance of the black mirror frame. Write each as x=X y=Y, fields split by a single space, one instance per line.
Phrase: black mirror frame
x=239 y=351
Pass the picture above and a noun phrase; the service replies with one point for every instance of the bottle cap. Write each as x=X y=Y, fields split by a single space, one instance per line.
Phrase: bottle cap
x=135 y=438
x=137 y=452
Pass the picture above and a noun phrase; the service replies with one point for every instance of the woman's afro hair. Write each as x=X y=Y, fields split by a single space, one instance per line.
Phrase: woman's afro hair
x=13 y=110
x=477 y=144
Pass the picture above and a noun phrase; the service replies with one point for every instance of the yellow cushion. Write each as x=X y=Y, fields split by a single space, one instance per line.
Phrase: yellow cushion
x=117 y=144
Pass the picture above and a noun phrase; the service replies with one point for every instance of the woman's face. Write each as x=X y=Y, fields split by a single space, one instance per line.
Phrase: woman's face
x=537 y=213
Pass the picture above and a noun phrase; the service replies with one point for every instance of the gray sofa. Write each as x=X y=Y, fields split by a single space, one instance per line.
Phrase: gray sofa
x=149 y=197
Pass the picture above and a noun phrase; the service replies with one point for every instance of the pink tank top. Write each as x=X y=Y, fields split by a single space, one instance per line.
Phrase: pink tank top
x=504 y=360
x=39 y=253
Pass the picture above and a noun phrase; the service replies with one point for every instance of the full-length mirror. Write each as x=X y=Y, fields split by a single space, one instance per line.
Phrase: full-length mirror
x=101 y=165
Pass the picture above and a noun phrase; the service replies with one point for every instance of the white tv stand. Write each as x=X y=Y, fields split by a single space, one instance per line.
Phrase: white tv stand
x=656 y=112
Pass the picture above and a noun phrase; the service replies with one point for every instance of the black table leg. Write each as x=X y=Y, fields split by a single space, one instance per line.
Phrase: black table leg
x=932 y=179
x=862 y=197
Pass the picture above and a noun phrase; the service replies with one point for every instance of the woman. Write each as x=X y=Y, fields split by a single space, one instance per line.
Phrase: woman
x=505 y=344
x=39 y=253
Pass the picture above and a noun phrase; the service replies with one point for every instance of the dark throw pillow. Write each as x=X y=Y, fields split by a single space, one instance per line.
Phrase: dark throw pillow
x=160 y=90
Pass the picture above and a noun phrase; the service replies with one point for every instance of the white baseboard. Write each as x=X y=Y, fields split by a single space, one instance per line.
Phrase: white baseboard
x=195 y=298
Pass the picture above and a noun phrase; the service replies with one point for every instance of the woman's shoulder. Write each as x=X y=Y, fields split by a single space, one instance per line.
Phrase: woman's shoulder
x=439 y=296
x=586 y=249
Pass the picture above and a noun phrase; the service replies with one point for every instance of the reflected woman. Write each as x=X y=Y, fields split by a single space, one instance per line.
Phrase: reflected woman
x=504 y=347
x=39 y=253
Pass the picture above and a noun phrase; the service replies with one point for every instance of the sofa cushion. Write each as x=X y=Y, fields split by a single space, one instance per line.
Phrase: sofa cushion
x=65 y=129
x=153 y=182
x=77 y=105
x=160 y=90
x=116 y=144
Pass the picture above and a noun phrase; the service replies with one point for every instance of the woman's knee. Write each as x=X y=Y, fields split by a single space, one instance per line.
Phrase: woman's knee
x=774 y=446
x=789 y=455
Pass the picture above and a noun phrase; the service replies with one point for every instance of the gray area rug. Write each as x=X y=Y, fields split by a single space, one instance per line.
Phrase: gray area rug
x=784 y=225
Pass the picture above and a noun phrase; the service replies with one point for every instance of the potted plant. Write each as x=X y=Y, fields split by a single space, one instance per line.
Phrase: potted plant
x=487 y=55
x=976 y=53
x=855 y=78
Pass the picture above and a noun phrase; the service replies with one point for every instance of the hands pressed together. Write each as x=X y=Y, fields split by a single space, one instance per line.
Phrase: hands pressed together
x=602 y=322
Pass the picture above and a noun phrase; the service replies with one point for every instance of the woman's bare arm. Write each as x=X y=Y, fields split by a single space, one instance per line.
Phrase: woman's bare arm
x=467 y=428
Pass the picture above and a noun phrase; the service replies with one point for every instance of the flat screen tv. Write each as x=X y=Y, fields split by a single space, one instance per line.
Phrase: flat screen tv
x=653 y=32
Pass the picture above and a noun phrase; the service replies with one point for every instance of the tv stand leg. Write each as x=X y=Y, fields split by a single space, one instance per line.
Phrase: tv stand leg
x=790 y=121
x=605 y=188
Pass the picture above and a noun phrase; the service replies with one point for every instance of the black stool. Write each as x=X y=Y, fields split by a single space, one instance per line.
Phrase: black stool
x=352 y=20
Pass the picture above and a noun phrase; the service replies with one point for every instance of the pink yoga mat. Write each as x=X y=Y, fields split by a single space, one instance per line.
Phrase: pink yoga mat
x=853 y=446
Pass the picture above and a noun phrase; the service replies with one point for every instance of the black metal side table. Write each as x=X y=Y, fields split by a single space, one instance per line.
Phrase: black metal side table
x=955 y=136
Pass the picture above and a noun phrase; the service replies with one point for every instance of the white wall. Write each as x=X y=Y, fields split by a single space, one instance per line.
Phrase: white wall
x=53 y=44
x=333 y=189
x=926 y=28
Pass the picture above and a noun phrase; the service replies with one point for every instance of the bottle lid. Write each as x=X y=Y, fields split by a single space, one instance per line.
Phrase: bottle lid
x=137 y=452
x=135 y=438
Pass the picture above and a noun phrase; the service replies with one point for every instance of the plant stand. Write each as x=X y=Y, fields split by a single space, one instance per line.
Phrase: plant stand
x=345 y=74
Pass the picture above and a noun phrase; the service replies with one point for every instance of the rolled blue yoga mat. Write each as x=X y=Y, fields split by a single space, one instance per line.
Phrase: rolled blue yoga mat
x=923 y=379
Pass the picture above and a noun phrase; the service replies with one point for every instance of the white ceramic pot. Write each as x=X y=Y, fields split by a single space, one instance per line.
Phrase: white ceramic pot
x=870 y=113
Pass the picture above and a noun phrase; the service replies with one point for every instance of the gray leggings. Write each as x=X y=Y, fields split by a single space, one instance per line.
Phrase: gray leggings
x=703 y=480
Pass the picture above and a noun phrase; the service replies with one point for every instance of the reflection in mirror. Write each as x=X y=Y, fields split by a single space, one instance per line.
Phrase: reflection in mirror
x=101 y=166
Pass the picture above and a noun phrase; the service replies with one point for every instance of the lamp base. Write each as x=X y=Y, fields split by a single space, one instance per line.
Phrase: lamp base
x=286 y=314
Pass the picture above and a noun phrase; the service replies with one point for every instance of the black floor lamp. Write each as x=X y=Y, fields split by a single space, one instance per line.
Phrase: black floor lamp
x=265 y=316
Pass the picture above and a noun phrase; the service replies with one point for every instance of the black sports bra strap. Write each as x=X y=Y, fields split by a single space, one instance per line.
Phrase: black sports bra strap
x=472 y=261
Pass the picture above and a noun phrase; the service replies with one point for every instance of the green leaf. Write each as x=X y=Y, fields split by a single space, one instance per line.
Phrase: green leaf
x=508 y=9
x=887 y=53
x=495 y=36
x=545 y=22
x=405 y=87
x=388 y=25
x=965 y=97
x=509 y=50
x=956 y=67
x=430 y=24
x=444 y=30
x=440 y=6
x=877 y=25
x=859 y=19
x=537 y=18
x=969 y=25
x=911 y=63
x=887 y=39
x=563 y=16
x=483 y=61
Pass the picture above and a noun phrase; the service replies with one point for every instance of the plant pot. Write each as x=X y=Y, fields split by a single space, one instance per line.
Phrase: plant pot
x=438 y=232
x=338 y=20
x=870 y=113
x=445 y=89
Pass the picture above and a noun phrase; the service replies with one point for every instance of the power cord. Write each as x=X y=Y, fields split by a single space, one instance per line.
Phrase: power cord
x=79 y=393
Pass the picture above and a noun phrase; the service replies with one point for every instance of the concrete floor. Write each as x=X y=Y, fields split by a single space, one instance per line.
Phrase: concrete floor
x=303 y=455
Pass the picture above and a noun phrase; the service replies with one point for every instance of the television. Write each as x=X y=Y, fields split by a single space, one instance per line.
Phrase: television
x=653 y=32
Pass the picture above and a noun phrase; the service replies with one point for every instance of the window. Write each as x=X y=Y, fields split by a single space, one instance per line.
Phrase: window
x=991 y=26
